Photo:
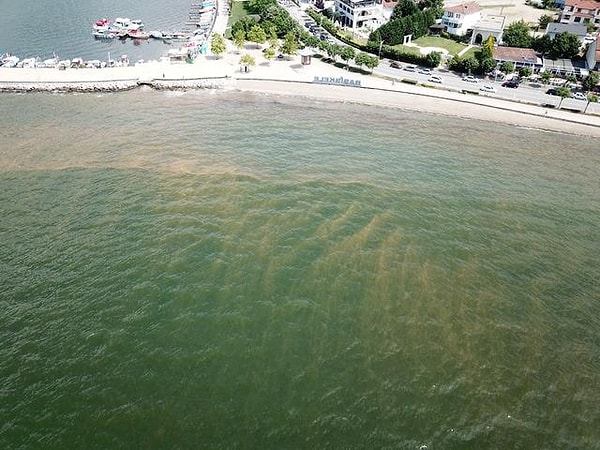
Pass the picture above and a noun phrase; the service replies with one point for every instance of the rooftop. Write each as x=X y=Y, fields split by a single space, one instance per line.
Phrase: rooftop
x=578 y=29
x=585 y=4
x=464 y=8
x=515 y=54
x=491 y=22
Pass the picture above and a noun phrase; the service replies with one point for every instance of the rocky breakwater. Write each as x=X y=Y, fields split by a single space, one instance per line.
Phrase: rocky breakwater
x=194 y=83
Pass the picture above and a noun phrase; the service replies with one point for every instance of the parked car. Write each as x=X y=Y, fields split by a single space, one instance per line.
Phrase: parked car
x=470 y=79
x=410 y=68
x=552 y=91
x=579 y=96
x=435 y=79
x=425 y=71
x=395 y=65
x=488 y=88
x=512 y=83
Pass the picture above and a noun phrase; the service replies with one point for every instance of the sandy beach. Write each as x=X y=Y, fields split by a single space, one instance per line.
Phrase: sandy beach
x=288 y=77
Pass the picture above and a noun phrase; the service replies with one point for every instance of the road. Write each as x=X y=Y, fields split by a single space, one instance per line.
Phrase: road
x=526 y=92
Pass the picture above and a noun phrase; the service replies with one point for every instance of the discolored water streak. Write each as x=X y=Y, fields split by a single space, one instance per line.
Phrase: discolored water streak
x=228 y=270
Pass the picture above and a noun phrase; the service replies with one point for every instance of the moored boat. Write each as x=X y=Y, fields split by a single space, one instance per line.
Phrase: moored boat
x=124 y=23
x=9 y=60
x=101 y=24
x=137 y=34
x=104 y=34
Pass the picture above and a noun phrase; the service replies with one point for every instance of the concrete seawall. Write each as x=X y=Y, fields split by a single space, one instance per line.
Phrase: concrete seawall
x=114 y=86
x=159 y=76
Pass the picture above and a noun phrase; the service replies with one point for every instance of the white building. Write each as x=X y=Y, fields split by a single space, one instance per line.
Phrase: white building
x=458 y=19
x=490 y=25
x=356 y=14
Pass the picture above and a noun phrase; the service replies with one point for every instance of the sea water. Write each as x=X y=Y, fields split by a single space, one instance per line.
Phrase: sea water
x=48 y=28
x=232 y=270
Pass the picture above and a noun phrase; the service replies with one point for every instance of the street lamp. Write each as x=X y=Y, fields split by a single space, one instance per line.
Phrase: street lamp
x=380 y=45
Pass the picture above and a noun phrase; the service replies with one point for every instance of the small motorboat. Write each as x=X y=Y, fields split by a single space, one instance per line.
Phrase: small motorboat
x=137 y=34
x=104 y=35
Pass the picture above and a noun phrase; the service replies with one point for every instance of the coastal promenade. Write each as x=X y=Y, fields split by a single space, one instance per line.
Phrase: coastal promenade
x=287 y=76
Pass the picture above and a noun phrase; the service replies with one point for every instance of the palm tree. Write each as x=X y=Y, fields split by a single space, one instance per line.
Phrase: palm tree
x=591 y=98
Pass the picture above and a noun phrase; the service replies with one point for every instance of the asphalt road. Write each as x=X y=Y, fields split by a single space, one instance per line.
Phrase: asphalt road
x=526 y=92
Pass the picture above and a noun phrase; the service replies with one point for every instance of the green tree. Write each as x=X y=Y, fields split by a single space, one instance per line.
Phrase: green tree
x=289 y=45
x=433 y=59
x=563 y=93
x=333 y=51
x=257 y=35
x=544 y=20
x=239 y=39
x=542 y=44
x=404 y=8
x=269 y=53
x=591 y=98
x=244 y=24
x=436 y=6
x=247 y=61
x=545 y=76
x=525 y=72
x=590 y=82
x=565 y=45
x=361 y=59
x=470 y=64
x=277 y=17
x=347 y=54
x=570 y=79
x=218 y=44
x=487 y=65
x=507 y=67
x=487 y=48
x=517 y=35
x=548 y=3
x=372 y=62
x=260 y=6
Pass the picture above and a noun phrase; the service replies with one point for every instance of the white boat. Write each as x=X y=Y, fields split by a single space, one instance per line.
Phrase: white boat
x=9 y=60
x=49 y=63
x=124 y=23
x=137 y=34
x=104 y=34
x=101 y=24
x=28 y=63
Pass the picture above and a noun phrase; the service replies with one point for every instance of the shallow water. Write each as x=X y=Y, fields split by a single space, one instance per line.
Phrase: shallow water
x=231 y=270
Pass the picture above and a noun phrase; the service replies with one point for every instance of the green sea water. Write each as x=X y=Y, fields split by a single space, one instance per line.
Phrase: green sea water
x=221 y=270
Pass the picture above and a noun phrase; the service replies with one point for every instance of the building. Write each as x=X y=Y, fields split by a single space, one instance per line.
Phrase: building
x=592 y=56
x=486 y=27
x=581 y=11
x=356 y=14
x=520 y=57
x=458 y=19
x=578 y=29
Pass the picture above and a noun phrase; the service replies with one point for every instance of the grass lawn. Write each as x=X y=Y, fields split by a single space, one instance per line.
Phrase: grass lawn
x=405 y=49
x=470 y=52
x=433 y=41
x=238 y=10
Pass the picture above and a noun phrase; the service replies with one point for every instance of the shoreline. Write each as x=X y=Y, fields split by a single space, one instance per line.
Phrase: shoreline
x=291 y=79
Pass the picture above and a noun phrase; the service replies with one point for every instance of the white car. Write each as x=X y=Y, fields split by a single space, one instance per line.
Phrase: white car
x=488 y=88
x=579 y=96
x=435 y=79
x=470 y=79
x=425 y=71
